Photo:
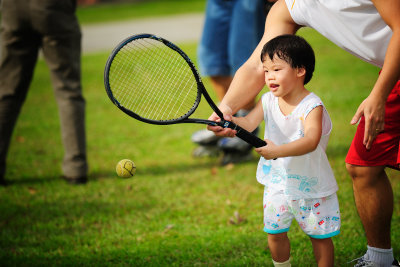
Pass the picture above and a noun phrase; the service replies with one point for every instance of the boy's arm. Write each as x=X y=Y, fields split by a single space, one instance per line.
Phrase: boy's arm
x=249 y=79
x=373 y=107
x=251 y=120
x=304 y=145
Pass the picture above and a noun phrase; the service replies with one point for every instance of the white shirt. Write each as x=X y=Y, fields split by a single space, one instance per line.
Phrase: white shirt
x=354 y=25
x=299 y=177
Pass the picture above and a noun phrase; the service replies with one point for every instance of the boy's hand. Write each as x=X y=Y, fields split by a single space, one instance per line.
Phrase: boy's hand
x=269 y=151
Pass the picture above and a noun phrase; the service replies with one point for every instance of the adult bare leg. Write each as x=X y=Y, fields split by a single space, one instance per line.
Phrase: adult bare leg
x=374 y=201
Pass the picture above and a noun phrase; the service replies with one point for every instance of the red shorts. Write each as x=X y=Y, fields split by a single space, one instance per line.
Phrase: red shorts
x=385 y=149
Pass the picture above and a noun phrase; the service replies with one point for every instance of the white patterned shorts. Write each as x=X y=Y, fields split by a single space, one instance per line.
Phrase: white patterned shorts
x=318 y=217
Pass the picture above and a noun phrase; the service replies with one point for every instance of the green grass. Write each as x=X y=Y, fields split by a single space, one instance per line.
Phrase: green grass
x=177 y=210
x=137 y=10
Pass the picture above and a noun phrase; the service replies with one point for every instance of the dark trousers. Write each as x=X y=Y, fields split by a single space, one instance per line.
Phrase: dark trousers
x=50 y=25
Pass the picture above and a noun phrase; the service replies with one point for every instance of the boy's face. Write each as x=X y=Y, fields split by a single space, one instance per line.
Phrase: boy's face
x=281 y=78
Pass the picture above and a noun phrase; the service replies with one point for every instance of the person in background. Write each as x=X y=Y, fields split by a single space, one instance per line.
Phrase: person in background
x=232 y=30
x=50 y=25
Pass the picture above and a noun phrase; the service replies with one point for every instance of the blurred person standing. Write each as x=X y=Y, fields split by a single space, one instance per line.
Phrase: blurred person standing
x=232 y=30
x=50 y=25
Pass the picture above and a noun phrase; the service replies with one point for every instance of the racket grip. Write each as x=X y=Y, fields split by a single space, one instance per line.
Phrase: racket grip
x=245 y=135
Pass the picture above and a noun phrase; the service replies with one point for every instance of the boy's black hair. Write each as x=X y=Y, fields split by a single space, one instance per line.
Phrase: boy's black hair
x=292 y=49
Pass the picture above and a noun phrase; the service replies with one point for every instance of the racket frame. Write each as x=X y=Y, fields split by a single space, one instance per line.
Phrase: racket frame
x=201 y=90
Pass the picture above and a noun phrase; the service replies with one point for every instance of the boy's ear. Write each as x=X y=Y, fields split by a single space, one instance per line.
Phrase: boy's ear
x=301 y=72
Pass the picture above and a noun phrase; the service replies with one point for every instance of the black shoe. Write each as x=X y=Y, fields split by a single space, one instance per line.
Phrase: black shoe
x=395 y=263
x=75 y=180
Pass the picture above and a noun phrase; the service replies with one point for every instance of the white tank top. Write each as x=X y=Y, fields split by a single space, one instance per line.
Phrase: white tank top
x=306 y=176
x=354 y=25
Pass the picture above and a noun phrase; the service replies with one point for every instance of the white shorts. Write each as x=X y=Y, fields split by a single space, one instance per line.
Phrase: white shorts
x=318 y=217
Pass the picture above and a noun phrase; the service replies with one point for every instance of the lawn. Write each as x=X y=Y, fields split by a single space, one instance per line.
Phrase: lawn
x=177 y=210
x=137 y=10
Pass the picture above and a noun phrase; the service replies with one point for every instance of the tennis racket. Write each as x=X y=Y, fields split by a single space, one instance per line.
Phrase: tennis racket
x=154 y=81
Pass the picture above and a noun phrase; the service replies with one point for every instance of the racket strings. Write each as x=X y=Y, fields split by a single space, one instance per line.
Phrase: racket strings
x=147 y=108
x=128 y=97
x=167 y=102
x=153 y=81
x=159 y=74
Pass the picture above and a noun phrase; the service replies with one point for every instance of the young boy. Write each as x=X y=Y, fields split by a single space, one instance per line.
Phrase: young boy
x=300 y=183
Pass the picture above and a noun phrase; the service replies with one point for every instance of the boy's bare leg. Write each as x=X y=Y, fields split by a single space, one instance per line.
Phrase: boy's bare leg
x=279 y=246
x=323 y=251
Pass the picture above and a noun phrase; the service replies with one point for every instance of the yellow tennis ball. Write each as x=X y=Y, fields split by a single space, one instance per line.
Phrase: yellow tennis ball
x=126 y=168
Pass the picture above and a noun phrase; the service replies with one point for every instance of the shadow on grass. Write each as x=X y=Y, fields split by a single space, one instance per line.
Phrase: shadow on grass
x=157 y=169
x=177 y=168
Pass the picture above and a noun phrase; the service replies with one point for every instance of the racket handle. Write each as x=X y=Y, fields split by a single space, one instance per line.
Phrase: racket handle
x=245 y=135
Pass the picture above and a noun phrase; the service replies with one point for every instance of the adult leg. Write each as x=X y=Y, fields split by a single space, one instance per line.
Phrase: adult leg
x=213 y=62
x=372 y=189
x=19 y=49
x=247 y=23
x=220 y=85
x=374 y=201
x=213 y=48
x=62 y=51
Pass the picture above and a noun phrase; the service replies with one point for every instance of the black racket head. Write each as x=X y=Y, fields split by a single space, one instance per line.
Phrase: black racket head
x=152 y=80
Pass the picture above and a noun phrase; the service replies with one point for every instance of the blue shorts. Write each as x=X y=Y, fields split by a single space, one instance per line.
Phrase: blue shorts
x=232 y=30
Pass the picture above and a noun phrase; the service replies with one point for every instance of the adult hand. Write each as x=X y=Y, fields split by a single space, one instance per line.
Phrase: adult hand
x=373 y=109
x=218 y=130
